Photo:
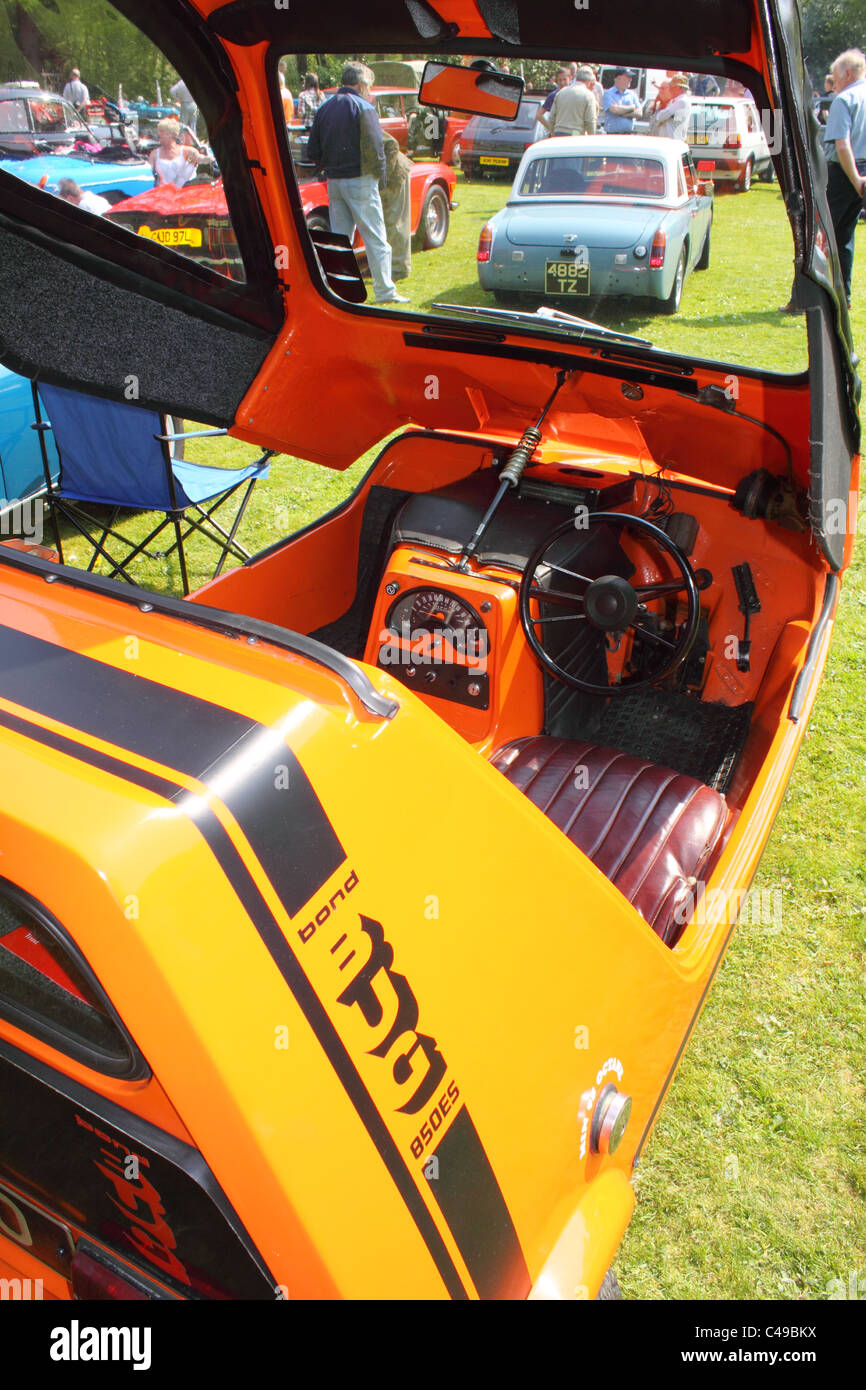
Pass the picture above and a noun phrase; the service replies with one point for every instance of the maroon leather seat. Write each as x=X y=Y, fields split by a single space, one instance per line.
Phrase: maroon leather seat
x=651 y=831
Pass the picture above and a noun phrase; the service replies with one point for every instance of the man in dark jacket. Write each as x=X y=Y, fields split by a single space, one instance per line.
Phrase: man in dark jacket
x=346 y=143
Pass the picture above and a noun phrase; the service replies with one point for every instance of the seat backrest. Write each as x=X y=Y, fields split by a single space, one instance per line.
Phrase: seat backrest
x=563 y=177
x=108 y=450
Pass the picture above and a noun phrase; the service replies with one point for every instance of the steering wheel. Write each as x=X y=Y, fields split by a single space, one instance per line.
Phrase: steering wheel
x=587 y=616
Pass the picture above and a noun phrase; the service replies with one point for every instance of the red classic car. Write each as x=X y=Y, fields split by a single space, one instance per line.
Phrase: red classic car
x=414 y=127
x=195 y=219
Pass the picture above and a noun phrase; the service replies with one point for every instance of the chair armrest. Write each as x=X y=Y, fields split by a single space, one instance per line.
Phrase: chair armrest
x=191 y=434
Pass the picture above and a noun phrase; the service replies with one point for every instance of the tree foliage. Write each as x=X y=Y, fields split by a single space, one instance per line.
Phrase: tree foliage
x=829 y=27
x=44 y=39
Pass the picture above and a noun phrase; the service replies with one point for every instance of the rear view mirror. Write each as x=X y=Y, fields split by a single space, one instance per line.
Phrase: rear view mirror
x=481 y=91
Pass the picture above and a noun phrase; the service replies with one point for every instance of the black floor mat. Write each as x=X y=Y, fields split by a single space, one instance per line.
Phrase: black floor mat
x=700 y=740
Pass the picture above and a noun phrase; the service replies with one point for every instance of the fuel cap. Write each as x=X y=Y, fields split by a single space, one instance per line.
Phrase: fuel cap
x=609 y=1120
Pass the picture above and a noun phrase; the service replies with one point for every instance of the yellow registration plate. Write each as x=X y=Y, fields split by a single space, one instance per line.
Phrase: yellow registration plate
x=173 y=236
x=566 y=277
x=499 y=159
x=702 y=138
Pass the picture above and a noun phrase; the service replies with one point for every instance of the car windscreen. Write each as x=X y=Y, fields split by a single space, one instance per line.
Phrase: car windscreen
x=469 y=231
x=712 y=122
x=593 y=176
x=50 y=116
x=525 y=118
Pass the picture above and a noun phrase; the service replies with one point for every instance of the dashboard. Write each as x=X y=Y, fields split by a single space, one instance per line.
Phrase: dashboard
x=454 y=634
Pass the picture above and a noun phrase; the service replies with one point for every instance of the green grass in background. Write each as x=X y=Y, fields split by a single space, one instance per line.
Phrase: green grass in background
x=753 y=1183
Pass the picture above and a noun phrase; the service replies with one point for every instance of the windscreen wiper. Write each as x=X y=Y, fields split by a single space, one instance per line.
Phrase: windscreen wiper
x=556 y=316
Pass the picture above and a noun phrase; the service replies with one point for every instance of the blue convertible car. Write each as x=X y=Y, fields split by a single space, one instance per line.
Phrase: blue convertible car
x=111 y=179
x=592 y=217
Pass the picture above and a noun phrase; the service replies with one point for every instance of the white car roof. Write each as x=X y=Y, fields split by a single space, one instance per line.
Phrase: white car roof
x=645 y=146
x=669 y=152
x=723 y=100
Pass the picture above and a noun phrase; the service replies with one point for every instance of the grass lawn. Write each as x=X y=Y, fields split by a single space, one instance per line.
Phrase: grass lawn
x=753 y=1184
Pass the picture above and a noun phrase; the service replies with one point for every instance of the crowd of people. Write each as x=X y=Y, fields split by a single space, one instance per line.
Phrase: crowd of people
x=369 y=177
x=579 y=104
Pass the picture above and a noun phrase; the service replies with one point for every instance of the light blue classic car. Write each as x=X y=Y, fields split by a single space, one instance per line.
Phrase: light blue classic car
x=593 y=217
x=111 y=179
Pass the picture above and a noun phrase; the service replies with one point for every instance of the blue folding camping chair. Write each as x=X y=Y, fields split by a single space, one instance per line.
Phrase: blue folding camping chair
x=120 y=456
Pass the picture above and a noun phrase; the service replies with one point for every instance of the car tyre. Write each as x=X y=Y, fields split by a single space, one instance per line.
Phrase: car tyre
x=675 y=298
x=745 y=180
x=455 y=155
x=610 y=1288
x=435 y=219
x=704 y=262
x=767 y=175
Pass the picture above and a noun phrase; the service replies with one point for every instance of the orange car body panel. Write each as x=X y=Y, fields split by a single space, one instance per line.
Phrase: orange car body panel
x=417 y=1003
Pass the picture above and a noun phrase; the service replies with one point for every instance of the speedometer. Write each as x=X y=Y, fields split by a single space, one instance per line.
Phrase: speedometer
x=432 y=610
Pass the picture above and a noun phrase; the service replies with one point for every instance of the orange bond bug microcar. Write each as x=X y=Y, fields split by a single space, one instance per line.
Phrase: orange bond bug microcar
x=356 y=909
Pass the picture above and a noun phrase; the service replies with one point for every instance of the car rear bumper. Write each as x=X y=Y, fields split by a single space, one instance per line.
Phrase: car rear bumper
x=630 y=280
x=728 y=168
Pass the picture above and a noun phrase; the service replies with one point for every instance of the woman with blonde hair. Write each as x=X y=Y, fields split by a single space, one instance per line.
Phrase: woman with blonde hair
x=171 y=161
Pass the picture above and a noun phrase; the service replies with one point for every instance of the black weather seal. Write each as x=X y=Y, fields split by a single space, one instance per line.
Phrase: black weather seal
x=125 y=1064
x=215 y=619
x=825 y=618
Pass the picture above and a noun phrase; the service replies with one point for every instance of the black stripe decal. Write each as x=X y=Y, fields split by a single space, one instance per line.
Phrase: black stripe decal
x=256 y=776
x=248 y=766
x=284 y=958
x=472 y=1203
x=160 y=785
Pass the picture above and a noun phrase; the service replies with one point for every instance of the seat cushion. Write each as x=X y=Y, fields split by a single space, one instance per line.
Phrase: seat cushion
x=651 y=831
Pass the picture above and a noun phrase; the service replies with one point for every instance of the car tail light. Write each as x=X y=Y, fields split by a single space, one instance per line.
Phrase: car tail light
x=734 y=142
x=97 y=1279
x=485 y=242
x=92 y=1280
x=657 y=255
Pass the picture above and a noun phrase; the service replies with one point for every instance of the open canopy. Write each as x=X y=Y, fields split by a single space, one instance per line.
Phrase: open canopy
x=288 y=364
